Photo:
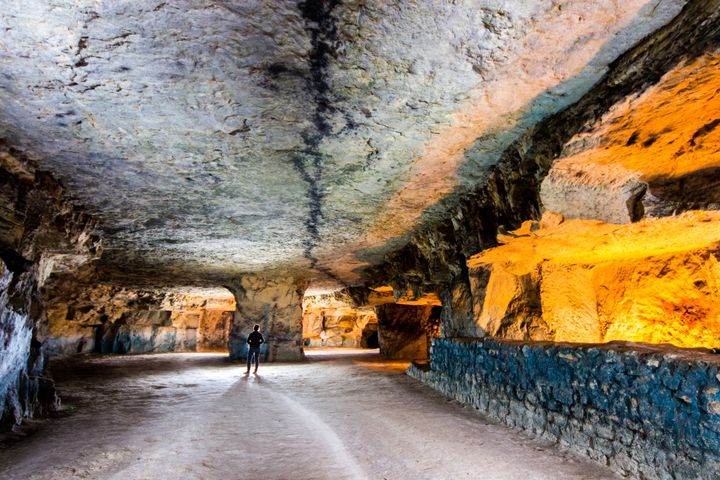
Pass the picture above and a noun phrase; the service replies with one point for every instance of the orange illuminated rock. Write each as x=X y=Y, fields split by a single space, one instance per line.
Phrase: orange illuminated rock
x=654 y=281
x=652 y=155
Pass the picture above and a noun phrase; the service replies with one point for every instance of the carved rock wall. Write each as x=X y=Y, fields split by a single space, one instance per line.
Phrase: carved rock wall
x=109 y=319
x=333 y=320
x=276 y=305
x=405 y=331
x=44 y=242
x=653 y=281
x=434 y=259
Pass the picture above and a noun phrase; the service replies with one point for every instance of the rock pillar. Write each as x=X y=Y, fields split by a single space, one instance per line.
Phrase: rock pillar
x=276 y=305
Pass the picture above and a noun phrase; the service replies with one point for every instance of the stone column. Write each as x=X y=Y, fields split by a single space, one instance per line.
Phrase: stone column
x=276 y=305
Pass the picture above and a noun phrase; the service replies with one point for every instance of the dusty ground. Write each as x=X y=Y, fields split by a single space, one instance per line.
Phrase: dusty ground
x=196 y=416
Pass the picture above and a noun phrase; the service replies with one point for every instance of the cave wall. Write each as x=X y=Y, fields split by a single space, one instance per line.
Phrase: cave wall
x=112 y=319
x=649 y=416
x=274 y=303
x=434 y=259
x=654 y=281
x=645 y=412
x=46 y=244
x=333 y=320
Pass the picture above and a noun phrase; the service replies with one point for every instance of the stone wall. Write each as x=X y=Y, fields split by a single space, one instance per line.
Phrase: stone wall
x=650 y=412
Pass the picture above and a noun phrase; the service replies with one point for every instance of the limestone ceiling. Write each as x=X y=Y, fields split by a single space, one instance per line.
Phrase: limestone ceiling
x=218 y=137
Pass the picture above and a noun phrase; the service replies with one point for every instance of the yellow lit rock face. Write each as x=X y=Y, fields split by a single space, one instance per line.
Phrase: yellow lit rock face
x=650 y=155
x=654 y=281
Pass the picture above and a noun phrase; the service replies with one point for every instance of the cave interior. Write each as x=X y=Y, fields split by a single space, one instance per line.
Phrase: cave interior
x=519 y=199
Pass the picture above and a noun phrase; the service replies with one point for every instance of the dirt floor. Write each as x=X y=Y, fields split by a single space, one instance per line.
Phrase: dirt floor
x=341 y=415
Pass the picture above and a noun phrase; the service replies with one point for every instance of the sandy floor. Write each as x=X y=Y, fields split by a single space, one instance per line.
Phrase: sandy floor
x=196 y=416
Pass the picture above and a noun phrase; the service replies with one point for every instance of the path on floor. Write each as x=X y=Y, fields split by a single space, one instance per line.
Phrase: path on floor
x=196 y=416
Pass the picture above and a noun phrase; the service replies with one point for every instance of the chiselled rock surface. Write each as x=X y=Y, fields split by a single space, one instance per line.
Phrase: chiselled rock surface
x=107 y=319
x=654 y=154
x=45 y=242
x=276 y=305
x=644 y=411
x=217 y=138
x=334 y=320
x=654 y=281
x=434 y=258
x=405 y=331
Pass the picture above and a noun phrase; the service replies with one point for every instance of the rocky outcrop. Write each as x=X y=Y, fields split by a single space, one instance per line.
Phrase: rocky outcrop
x=647 y=412
x=653 y=281
x=276 y=305
x=654 y=154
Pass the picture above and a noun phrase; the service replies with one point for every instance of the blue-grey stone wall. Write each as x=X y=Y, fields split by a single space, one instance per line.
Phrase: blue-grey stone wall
x=650 y=412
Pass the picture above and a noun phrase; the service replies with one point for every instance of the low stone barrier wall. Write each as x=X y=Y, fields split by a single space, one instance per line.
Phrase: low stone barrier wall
x=650 y=412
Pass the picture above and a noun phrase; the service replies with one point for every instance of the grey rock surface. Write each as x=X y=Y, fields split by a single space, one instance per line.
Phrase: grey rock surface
x=214 y=138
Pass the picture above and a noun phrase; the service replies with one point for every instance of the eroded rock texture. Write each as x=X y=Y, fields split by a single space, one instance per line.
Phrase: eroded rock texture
x=654 y=154
x=276 y=305
x=654 y=281
x=216 y=138
x=334 y=320
x=434 y=260
x=105 y=319
x=45 y=242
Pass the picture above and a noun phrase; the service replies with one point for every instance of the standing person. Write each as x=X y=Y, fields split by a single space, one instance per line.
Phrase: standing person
x=255 y=339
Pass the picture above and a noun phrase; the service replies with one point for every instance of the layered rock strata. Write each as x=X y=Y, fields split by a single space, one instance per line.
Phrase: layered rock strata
x=646 y=412
x=45 y=243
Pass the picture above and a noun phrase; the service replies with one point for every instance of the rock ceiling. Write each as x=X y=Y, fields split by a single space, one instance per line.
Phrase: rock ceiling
x=212 y=138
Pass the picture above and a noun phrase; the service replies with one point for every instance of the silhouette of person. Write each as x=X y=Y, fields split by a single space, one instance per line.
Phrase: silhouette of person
x=254 y=340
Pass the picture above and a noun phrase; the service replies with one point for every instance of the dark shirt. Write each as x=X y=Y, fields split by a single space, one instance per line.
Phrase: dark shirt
x=255 y=339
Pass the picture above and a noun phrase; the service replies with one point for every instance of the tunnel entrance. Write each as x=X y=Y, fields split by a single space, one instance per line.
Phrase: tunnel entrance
x=370 y=337
x=332 y=320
